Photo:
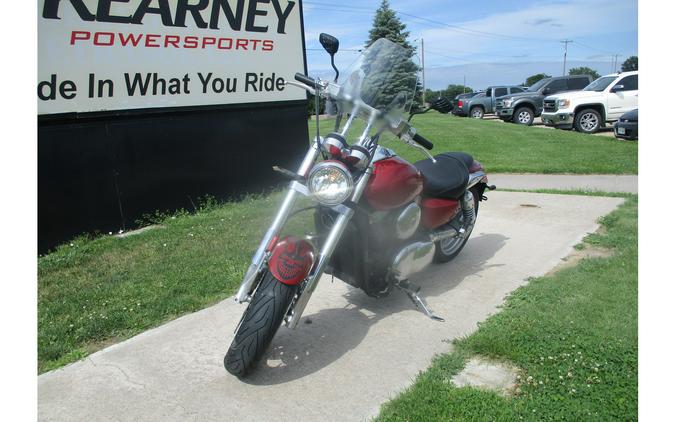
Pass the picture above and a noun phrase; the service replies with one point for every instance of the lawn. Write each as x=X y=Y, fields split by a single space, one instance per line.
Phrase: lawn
x=95 y=291
x=573 y=334
x=511 y=148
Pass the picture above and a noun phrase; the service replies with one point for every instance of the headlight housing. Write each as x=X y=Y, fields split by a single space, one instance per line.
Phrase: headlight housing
x=507 y=102
x=330 y=182
x=563 y=103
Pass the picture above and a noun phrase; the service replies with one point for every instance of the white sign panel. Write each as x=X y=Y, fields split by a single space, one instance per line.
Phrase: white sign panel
x=96 y=55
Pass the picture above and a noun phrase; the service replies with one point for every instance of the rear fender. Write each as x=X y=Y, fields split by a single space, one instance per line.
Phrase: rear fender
x=291 y=259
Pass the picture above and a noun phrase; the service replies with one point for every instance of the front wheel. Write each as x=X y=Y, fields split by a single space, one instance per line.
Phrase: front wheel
x=523 y=116
x=588 y=121
x=260 y=322
x=448 y=249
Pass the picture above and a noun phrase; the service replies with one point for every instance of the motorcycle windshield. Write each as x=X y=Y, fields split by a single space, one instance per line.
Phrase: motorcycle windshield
x=383 y=77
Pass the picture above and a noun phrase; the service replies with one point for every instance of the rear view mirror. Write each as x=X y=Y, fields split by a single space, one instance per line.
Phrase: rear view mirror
x=546 y=91
x=616 y=88
x=329 y=43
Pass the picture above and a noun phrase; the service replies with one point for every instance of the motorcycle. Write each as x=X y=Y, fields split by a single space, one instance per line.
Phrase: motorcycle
x=378 y=218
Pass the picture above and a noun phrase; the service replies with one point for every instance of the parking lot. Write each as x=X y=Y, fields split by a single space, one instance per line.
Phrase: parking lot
x=606 y=131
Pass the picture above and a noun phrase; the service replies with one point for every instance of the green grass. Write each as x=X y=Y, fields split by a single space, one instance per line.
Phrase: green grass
x=573 y=334
x=510 y=148
x=95 y=291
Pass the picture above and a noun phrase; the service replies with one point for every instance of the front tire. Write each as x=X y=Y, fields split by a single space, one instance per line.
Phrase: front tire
x=523 y=116
x=260 y=322
x=448 y=249
x=588 y=121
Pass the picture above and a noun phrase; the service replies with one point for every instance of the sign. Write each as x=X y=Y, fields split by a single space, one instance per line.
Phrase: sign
x=100 y=55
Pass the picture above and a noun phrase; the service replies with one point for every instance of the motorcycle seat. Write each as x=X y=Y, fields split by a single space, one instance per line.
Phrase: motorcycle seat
x=448 y=177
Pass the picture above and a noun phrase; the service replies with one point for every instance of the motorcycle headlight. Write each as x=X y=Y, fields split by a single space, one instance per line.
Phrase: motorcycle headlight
x=330 y=182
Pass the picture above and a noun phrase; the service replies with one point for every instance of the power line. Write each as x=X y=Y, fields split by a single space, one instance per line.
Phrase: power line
x=454 y=27
x=363 y=10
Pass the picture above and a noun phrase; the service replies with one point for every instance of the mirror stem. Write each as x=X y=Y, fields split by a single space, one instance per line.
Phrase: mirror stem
x=332 y=63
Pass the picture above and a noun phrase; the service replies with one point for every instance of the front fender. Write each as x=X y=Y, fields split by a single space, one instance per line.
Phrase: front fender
x=291 y=260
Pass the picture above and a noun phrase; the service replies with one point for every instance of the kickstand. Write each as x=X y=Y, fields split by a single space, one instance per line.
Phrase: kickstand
x=420 y=304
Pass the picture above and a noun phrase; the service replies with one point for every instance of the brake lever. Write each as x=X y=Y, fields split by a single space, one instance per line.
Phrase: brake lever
x=406 y=138
x=301 y=85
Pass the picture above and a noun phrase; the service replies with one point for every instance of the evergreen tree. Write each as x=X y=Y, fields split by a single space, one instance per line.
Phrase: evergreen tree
x=631 y=63
x=387 y=25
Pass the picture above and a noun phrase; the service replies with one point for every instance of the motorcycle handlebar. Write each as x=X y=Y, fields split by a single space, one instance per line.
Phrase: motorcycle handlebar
x=305 y=80
x=423 y=141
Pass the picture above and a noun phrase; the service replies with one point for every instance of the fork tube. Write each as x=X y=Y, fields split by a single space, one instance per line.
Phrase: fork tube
x=327 y=251
x=279 y=221
x=349 y=122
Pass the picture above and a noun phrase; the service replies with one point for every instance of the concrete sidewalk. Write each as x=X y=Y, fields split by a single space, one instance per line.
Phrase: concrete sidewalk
x=356 y=353
x=599 y=182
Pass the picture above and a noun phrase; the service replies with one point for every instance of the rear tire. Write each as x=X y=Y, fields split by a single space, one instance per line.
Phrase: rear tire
x=260 y=322
x=448 y=249
x=477 y=113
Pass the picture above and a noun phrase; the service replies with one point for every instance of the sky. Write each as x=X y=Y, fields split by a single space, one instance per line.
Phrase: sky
x=487 y=42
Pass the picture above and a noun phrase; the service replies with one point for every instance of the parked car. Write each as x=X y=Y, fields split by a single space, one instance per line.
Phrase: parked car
x=479 y=106
x=462 y=98
x=523 y=107
x=627 y=125
x=603 y=101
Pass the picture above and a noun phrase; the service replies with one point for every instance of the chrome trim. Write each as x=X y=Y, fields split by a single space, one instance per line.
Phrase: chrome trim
x=382 y=153
x=342 y=168
x=443 y=234
x=408 y=221
x=411 y=259
x=475 y=178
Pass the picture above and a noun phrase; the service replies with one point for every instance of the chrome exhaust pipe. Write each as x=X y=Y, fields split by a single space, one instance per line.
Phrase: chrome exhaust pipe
x=443 y=234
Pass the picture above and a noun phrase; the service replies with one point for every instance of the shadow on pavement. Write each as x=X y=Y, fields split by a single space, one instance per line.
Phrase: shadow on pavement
x=323 y=337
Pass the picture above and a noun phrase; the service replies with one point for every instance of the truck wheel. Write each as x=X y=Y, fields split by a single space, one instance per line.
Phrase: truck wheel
x=523 y=116
x=587 y=121
x=477 y=113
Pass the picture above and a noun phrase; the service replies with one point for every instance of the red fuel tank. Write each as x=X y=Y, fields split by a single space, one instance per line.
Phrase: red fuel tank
x=394 y=182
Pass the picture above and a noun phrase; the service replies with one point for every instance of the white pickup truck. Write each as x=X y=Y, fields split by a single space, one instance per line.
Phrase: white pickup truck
x=603 y=101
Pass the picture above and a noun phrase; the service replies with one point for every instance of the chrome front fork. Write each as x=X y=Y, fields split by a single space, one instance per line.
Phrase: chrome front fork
x=334 y=236
x=247 y=284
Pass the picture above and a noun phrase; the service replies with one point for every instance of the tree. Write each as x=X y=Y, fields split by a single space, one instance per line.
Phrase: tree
x=387 y=25
x=583 y=70
x=631 y=63
x=450 y=92
x=535 y=78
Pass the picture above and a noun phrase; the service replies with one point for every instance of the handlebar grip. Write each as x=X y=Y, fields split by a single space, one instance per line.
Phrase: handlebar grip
x=422 y=141
x=305 y=80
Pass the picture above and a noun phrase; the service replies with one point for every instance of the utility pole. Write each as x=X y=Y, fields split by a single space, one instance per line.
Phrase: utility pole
x=424 y=86
x=565 y=55
x=464 y=85
x=615 y=62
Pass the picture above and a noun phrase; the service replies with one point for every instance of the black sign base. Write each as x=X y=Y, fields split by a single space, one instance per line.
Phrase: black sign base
x=101 y=173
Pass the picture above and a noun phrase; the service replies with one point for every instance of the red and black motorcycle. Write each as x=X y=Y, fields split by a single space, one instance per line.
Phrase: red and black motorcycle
x=378 y=218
